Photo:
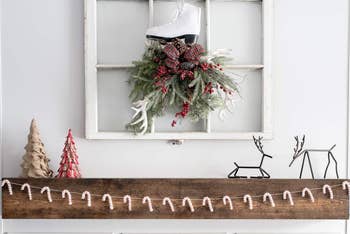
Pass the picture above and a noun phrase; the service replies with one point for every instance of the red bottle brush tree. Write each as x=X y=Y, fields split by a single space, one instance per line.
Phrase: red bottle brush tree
x=69 y=165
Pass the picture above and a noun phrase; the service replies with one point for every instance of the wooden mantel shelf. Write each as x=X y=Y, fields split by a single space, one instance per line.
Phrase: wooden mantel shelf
x=18 y=206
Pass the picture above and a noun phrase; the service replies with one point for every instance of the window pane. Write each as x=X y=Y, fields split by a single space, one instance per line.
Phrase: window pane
x=121 y=27
x=114 y=107
x=237 y=25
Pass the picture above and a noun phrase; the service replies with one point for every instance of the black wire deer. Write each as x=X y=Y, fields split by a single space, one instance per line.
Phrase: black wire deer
x=264 y=174
x=298 y=151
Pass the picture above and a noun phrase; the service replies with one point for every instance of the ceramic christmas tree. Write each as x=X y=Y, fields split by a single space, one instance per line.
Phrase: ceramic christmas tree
x=69 y=165
x=35 y=161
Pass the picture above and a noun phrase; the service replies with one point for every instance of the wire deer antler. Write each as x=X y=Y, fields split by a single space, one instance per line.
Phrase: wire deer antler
x=141 y=110
x=298 y=148
x=258 y=143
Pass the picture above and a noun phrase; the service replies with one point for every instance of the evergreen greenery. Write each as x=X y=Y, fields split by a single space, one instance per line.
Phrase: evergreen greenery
x=188 y=82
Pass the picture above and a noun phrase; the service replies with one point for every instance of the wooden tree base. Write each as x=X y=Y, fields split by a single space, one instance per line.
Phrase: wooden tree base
x=18 y=205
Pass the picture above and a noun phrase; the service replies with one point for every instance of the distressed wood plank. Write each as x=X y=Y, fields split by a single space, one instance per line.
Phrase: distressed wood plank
x=18 y=206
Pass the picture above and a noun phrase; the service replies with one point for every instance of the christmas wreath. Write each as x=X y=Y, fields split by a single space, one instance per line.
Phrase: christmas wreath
x=180 y=77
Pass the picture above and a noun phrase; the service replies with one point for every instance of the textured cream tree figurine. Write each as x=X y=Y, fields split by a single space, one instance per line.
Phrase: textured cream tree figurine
x=35 y=161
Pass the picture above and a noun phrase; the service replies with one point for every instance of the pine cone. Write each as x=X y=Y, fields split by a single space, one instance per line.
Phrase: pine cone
x=194 y=53
x=171 y=51
x=171 y=63
x=187 y=66
x=180 y=46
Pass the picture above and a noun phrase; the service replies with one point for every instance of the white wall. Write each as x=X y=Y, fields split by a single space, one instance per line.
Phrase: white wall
x=42 y=63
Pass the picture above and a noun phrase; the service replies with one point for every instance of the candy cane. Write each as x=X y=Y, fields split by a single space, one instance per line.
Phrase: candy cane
x=168 y=200
x=206 y=200
x=268 y=195
x=248 y=198
x=9 y=186
x=346 y=185
x=308 y=191
x=127 y=199
x=148 y=200
x=330 y=191
x=47 y=189
x=189 y=202
x=226 y=199
x=66 y=192
x=287 y=193
x=24 y=186
x=110 y=202
x=86 y=194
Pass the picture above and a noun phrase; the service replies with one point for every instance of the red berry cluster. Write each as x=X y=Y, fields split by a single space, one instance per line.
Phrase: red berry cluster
x=226 y=90
x=183 y=113
x=208 y=88
x=186 y=73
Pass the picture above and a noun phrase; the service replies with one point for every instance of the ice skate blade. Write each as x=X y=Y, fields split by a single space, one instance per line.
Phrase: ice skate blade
x=189 y=38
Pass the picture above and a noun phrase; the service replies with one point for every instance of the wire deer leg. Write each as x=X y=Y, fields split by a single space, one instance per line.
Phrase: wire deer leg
x=310 y=165
x=329 y=161
x=234 y=172
x=335 y=162
x=267 y=175
x=302 y=166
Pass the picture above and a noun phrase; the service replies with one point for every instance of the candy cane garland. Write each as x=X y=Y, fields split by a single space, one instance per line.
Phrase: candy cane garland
x=248 y=198
x=127 y=199
x=268 y=195
x=48 y=191
x=189 y=202
x=206 y=200
x=288 y=193
x=9 y=186
x=346 y=185
x=148 y=200
x=110 y=202
x=87 y=195
x=226 y=199
x=66 y=192
x=168 y=200
x=308 y=191
x=328 y=188
x=23 y=187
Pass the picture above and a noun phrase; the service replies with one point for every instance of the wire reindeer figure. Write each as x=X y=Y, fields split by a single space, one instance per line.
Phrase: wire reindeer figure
x=263 y=173
x=298 y=151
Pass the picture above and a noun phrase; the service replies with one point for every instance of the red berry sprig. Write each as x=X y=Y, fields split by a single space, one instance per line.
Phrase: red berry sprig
x=182 y=114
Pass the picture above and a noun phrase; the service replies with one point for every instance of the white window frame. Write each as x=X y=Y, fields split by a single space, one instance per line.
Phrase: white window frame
x=91 y=68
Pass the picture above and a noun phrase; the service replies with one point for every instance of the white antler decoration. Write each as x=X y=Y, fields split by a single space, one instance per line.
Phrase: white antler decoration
x=86 y=195
x=110 y=202
x=48 y=191
x=168 y=200
x=268 y=195
x=226 y=199
x=66 y=192
x=127 y=199
x=24 y=186
x=206 y=200
x=346 y=185
x=9 y=186
x=248 y=198
x=189 y=202
x=149 y=202
x=288 y=193
x=140 y=108
x=308 y=191
x=328 y=188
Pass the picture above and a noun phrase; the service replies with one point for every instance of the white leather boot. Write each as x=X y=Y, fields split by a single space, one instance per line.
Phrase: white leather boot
x=186 y=26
